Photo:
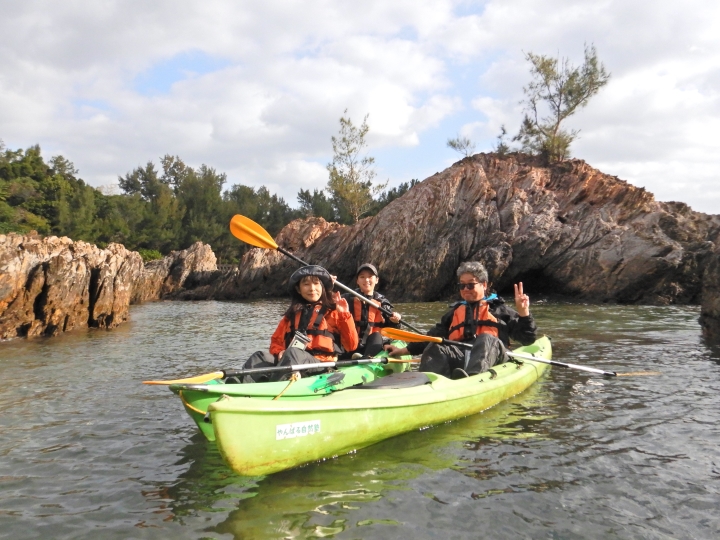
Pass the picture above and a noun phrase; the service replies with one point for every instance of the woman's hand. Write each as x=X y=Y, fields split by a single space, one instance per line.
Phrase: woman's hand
x=522 y=301
x=395 y=317
x=341 y=305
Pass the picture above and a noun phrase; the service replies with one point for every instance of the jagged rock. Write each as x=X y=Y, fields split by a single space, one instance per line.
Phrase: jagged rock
x=52 y=285
x=566 y=229
x=167 y=277
x=710 y=308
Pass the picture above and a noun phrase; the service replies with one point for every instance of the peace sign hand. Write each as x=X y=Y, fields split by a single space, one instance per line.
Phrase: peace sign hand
x=522 y=301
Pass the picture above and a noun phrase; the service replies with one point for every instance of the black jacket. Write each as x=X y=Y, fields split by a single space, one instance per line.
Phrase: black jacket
x=512 y=326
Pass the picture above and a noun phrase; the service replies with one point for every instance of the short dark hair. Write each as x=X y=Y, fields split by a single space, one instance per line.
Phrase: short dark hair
x=475 y=268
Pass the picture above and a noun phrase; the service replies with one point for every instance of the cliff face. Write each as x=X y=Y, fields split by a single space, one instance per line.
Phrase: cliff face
x=52 y=285
x=566 y=229
x=710 y=310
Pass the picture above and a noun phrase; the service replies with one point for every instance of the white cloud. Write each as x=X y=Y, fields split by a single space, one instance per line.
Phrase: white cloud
x=279 y=75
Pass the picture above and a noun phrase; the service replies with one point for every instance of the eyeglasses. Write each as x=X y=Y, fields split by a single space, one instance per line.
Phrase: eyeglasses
x=468 y=286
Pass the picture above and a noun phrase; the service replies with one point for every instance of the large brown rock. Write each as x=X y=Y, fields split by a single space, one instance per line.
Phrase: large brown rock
x=710 y=308
x=52 y=285
x=168 y=276
x=566 y=229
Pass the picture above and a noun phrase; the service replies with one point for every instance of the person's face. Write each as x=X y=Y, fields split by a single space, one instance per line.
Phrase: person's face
x=476 y=292
x=310 y=288
x=366 y=280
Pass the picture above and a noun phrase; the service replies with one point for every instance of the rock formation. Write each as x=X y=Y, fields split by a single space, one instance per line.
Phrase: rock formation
x=52 y=285
x=168 y=276
x=710 y=309
x=566 y=229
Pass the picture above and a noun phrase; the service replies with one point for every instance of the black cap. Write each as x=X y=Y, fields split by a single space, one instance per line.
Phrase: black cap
x=311 y=270
x=366 y=266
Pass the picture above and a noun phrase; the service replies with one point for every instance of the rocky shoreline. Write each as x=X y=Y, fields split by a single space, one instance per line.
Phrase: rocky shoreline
x=52 y=285
x=565 y=229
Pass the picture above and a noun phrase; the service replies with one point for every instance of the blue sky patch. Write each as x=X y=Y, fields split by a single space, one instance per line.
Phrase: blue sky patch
x=161 y=76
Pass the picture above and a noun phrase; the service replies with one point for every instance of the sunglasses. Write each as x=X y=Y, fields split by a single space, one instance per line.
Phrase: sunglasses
x=468 y=286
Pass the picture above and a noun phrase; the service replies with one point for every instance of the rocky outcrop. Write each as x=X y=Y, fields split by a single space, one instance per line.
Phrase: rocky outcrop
x=566 y=229
x=167 y=277
x=710 y=307
x=52 y=285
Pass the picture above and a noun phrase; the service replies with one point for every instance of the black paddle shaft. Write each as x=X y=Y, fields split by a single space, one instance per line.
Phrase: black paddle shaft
x=302 y=367
x=347 y=289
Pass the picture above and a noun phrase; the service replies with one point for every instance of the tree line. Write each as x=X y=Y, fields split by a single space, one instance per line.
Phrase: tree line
x=161 y=207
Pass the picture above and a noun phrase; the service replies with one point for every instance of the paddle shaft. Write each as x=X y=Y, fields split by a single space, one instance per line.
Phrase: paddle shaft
x=393 y=333
x=541 y=360
x=561 y=364
x=347 y=289
x=302 y=367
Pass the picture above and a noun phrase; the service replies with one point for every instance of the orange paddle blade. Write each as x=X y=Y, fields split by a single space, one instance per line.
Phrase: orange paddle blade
x=248 y=231
x=198 y=379
x=404 y=335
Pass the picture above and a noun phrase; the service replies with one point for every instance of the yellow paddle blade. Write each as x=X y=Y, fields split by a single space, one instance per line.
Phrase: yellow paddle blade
x=198 y=379
x=404 y=335
x=248 y=231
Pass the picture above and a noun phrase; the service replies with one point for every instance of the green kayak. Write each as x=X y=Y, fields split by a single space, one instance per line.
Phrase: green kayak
x=196 y=398
x=260 y=436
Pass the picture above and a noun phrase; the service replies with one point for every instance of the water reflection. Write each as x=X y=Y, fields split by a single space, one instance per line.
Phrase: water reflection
x=87 y=451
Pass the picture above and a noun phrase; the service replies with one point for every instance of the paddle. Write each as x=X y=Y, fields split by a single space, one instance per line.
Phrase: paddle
x=394 y=333
x=245 y=229
x=280 y=369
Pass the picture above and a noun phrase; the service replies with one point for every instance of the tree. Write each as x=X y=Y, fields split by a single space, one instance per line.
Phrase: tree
x=351 y=175
x=315 y=204
x=501 y=147
x=462 y=144
x=563 y=89
x=199 y=193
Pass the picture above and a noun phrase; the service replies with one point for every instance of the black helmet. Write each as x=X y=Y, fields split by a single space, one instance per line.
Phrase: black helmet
x=311 y=270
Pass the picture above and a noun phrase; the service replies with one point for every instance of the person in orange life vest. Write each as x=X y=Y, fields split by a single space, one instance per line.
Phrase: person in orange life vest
x=486 y=322
x=315 y=328
x=369 y=319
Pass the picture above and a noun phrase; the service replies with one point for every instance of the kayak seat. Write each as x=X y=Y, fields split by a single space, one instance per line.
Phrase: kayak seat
x=406 y=379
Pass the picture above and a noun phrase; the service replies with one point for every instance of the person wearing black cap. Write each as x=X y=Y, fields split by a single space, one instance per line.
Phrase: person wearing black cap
x=368 y=319
x=316 y=327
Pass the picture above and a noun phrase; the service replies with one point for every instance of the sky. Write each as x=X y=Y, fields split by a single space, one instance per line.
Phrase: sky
x=255 y=88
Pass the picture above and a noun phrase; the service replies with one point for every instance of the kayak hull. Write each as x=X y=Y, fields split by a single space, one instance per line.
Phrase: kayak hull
x=257 y=437
x=196 y=398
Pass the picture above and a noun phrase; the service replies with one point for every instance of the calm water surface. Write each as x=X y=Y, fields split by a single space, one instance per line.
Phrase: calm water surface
x=87 y=451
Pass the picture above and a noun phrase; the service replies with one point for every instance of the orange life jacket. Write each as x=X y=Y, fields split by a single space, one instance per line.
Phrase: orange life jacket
x=312 y=323
x=368 y=319
x=467 y=323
